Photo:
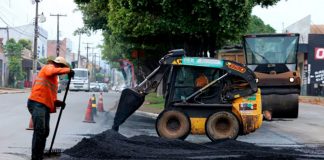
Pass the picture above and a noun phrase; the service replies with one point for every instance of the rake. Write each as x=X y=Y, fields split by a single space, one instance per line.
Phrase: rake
x=51 y=151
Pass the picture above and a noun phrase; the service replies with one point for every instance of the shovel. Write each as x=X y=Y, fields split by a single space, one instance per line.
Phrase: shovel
x=58 y=151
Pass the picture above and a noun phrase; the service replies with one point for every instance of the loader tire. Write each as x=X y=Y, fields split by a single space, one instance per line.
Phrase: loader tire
x=222 y=125
x=173 y=124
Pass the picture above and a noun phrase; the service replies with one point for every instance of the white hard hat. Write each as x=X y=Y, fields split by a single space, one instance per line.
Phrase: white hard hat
x=60 y=60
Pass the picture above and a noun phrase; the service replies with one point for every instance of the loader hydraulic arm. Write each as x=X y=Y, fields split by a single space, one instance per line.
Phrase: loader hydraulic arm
x=152 y=80
x=131 y=99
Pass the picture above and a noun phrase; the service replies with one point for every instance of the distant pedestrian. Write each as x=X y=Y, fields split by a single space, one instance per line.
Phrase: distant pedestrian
x=43 y=101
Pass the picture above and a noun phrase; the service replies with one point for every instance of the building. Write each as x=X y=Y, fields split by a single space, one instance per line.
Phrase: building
x=3 y=66
x=24 y=32
x=311 y=55
x=28 y=32
x=65 y=49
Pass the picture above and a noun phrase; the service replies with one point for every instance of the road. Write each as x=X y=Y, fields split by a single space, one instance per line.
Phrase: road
x=15 y=144
x=16 y=140
x=307 y=130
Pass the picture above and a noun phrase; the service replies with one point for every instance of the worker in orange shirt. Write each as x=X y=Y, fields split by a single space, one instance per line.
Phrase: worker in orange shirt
x=43 y=101
x=201 y=80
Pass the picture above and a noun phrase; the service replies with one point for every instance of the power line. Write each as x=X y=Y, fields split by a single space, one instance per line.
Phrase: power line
x=22 y=33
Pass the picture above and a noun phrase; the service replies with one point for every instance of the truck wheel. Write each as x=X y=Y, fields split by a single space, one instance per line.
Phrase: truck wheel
x=172 y=124
x=222 y=125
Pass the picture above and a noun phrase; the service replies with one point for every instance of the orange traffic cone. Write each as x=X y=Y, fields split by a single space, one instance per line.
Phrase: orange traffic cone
x=94 y=105
x=100 y=104
x=31 y=124
x=88 y=116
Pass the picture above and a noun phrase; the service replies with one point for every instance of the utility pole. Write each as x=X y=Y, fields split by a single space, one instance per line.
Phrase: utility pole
x=99 y=60
x=87 y=64
x=58 y=34
x=94 y=64
x=79 y=52
x=35 y=40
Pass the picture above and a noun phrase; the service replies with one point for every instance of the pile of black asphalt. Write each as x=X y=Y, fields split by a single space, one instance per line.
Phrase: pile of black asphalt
x=112 y=145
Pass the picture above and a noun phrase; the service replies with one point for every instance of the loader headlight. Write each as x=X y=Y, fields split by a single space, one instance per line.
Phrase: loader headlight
x=291 y=79
x=257 y=80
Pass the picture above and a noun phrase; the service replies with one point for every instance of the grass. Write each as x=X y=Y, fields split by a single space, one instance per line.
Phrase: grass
x=154 y=101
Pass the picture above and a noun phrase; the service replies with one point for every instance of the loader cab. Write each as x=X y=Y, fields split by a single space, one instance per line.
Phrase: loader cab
x=182 y=82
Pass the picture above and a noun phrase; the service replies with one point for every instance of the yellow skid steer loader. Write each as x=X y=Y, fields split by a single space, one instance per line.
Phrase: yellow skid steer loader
x=219 y=98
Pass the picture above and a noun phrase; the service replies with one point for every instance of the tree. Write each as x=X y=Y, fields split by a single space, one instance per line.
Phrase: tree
x=79 y=32
x=12 y=48
x=44 y=60
x=26 y=43
x=13 y=52
x=256 y=25
x=156 y=26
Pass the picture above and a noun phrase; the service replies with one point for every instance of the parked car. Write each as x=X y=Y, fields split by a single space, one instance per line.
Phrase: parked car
x=113 y=88
x=94 y=87
x=103 y=87
x=61 y=85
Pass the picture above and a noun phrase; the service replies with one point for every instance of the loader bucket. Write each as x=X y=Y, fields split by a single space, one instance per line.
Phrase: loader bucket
x=130 y=100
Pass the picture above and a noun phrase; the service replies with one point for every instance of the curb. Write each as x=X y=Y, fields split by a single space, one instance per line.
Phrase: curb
x=13 y=92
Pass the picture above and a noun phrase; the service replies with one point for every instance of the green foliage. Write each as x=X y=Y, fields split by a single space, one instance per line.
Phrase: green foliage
x=156 y=26
x=12 y=48
x=100 y=77
x=13 y=52
x=256 y=25
x=15 y=68
x=26 y=43
x=154 y=101
x=82 y=30
x=42 y=60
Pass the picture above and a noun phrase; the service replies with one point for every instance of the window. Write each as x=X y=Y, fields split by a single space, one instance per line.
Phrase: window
x=275 y=49
x=185 y=80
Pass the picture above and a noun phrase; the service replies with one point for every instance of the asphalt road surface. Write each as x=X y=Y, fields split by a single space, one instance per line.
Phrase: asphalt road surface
x=15 y=140
x=307 y=130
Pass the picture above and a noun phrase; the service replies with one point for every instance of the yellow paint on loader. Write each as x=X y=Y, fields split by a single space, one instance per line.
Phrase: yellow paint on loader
x=250 y=118
x=198 y=125
x=249 y=115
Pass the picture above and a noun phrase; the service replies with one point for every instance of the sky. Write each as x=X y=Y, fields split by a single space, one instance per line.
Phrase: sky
x=21 y=12
x=287 y=12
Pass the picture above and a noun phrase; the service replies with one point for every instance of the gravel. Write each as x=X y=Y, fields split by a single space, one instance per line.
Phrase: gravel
x=112 y=145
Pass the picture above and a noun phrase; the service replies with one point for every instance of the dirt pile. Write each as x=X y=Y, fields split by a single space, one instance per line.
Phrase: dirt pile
x=112 y=145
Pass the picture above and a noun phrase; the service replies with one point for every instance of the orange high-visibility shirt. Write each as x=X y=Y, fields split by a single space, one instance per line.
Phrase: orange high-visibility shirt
x=45 y=86
x=201 y=81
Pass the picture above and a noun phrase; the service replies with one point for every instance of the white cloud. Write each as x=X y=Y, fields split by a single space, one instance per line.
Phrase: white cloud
x=21 y=12
x=287 y=12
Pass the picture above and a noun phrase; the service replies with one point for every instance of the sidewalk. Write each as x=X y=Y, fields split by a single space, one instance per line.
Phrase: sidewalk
x=4 y=90
x=312 y=100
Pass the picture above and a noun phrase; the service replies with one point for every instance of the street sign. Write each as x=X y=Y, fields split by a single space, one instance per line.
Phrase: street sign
x=319 y=53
